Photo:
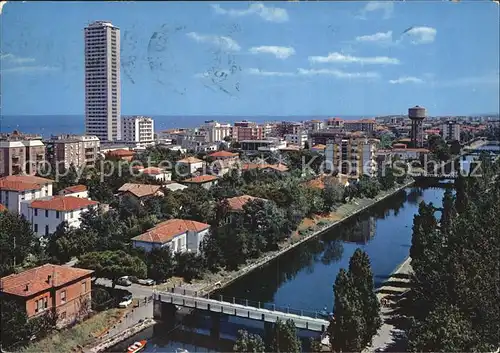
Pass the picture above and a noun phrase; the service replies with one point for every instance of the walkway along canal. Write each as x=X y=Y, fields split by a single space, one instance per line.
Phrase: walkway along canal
x=303 y=277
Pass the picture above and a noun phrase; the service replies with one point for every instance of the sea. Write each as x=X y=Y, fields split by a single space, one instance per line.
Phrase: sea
x=47 y=125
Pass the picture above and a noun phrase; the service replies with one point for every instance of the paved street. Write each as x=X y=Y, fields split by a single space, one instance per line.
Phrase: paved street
x=137 y=290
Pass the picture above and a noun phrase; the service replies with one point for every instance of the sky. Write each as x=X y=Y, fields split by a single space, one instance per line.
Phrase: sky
x=246 y=59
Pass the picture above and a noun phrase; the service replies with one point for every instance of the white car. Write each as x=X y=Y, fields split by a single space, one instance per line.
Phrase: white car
x=126 y=301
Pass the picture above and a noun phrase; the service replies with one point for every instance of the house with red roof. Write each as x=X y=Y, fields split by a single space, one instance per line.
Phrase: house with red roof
x=63 y=289
x=179 y=235
x=221 y=162
x=46 y=214
x=205 y=181
x=17 y=188
x=76 y=191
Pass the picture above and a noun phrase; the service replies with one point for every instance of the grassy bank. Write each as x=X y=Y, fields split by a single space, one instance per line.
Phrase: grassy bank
x=74 y=338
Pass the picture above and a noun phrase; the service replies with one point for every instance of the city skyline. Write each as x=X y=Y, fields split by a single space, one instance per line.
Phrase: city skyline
x=256 y=59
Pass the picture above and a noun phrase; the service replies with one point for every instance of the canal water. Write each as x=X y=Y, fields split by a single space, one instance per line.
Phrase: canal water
x=303 y=278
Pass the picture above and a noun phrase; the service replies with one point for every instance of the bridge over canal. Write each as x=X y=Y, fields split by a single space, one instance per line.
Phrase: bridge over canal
x=166 y=302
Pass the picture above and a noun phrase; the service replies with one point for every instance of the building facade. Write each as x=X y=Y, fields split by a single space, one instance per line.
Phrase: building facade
x=76 y=150
x=353 y=156
x=15 y=189
x=365 y=125
x=451 y=131
x=216 y=132
x=138 y=129
x=46 y=214
x=247 y=130
x=102 y=81
x=20 y=153
x=63 y=289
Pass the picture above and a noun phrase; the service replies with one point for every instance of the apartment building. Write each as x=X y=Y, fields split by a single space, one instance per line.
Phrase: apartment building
x=47 y=213
x=20 y=153
x=102 y=81
x=247 y=130
x=451 y=131
x=138 y=129
x=15 y=189
x=352 y=156
x=365 y=125
x=79 y=150
x=216 y=132
x=314 y=125
x=298 y=139
x=288 y=128
x=63 y=289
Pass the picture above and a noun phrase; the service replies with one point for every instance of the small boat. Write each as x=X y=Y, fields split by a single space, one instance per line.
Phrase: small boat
x=137 y=346
x=181 y=350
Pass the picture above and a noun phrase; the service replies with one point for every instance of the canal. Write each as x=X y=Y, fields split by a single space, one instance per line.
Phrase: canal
x=303 y=277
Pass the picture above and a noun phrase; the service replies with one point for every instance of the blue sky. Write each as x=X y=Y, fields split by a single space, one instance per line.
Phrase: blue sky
x=239 y=58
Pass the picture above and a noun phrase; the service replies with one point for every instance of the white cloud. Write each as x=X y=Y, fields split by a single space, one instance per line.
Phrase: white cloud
x=377 y=37
x=421 y=35
x=29 y=69
x=341 y=58
x=222 y=42
x=278 y=52
x=11 y=58
x=271 y=14
x=387 y=7
x=406 y=79
x=312 y=72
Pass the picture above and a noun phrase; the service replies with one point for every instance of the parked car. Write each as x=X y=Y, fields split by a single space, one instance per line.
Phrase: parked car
x=126 y=301
x=124 y=281
x=146 y=282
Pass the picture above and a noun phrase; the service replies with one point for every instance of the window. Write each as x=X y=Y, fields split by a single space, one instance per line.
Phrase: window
x=46 y=213
x=71 y=214
x=36 y=228
x=36 y=211
x=63 y=297
x=46 y=230
x=57 y=214
x=84 y=287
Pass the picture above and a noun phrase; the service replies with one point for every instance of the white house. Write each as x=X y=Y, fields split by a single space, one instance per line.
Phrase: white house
x=155 y=173
x=17 y=188
x=192 y=163
x=173 y=186
x=76 y=191
x=47 y=213
x=179 y=235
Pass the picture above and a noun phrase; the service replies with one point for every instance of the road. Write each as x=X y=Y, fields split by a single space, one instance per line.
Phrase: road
x=138 y=291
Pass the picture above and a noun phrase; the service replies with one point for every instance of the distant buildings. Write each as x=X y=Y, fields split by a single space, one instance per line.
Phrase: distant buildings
x=246 y=130
x=77 y=150
x=66 y=290
x=102 y=81
x=216 y=132
x=139 y=130
x=269 y=144
x=20 y=153
x=451 y=131
x=365 y=125
x=417 y=115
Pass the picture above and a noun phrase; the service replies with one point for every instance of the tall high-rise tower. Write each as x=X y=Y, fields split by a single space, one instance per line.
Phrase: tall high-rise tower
x=102 y=81
x=417 y=115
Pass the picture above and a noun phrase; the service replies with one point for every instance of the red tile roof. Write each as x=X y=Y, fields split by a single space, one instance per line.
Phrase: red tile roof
x=277 y=167
x=166 y=231
x=140 y=190
x=223 y=154
x=74 y=189
x=237 y=203
x=153 y=171
x=190 y=160
x=23 y=182
x=62 y=203
x=200 y=179
x=35 y=280
x=121 y=153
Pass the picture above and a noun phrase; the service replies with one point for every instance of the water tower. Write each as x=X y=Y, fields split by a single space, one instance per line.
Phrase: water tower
x=417 y=115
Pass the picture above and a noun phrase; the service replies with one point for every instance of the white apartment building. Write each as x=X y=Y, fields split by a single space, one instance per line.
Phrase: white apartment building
x=451 y=131
x=215 y=131
x=79 y=150
x=353 y=156
x=138 y=129
x=102 y=81
x=298 y=139
x=179 y=235
x=46 y=214
x=15 y=189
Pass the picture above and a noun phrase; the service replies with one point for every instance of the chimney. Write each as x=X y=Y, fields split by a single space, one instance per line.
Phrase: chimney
x=27 y=288
x=49 y=277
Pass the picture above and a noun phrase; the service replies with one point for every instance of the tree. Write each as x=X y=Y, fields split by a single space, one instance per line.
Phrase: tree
x=348 y=329
x=285 y=338
x=387 y=179
x=332 y=194
x=247 y=342
x=448 y=212
x=188 y=265
x=361 y=275
x=15 y=329
x=160 y=264
x=113 y=264
x=17 y=241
